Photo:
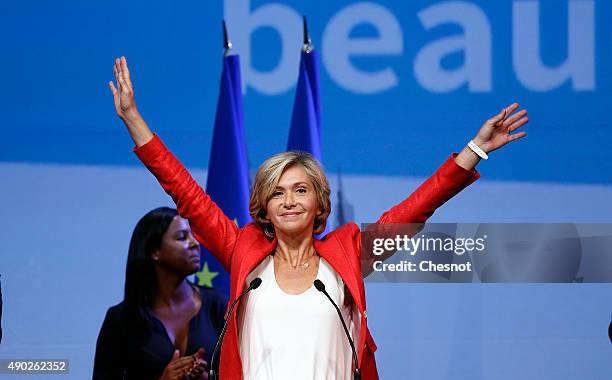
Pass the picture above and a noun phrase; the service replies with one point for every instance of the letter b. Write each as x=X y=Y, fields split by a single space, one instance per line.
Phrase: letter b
x=287 y=23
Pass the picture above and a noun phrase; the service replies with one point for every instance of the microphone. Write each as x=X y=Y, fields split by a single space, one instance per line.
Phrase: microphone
x=321 y=287
x=213 y=372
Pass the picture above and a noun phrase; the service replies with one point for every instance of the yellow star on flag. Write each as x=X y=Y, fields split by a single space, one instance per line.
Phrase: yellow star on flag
x=205 y=276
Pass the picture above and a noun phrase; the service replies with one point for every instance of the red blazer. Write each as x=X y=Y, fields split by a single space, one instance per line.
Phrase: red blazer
x=241 y=250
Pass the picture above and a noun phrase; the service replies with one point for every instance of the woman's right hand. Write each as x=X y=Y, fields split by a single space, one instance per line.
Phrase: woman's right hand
x=178 y=367
x=125 y=105
x=123 y=93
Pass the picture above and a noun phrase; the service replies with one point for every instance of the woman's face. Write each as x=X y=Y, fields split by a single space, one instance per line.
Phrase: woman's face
x=179 y=251
x=293 y=206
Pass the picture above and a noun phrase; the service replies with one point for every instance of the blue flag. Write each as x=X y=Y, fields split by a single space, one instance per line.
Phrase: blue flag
x=305 y=132
x=228 y=173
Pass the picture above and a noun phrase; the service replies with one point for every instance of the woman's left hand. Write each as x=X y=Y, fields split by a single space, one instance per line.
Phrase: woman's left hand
x=496 y=132
x=199 y=369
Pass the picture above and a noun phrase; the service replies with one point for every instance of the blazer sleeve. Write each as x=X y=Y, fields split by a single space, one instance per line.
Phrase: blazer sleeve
x=444 y=184
x=109 y=361
x=209 y=224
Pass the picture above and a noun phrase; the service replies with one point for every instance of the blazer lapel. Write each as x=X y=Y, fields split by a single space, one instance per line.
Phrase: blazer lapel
x=254 y=249
x=331 y=249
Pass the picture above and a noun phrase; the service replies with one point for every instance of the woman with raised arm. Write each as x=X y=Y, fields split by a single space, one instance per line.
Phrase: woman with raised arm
x=284 y=329
x=166 y=327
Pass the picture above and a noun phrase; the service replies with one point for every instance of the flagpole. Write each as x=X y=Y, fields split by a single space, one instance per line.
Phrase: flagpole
x=307 y=47
x=227 y=44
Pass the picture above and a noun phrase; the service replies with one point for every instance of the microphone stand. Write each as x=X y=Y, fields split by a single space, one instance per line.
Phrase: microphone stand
x=213 y=372
x=321 y=287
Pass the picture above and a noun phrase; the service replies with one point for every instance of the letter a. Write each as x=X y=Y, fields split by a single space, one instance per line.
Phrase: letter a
x=475 y=42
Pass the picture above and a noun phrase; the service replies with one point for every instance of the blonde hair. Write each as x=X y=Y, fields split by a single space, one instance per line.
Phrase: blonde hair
x=267 y=178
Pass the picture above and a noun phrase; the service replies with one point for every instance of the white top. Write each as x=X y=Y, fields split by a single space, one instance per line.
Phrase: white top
x=295 y=337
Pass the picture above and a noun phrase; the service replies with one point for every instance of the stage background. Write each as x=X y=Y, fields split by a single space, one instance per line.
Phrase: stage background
x=391 y=113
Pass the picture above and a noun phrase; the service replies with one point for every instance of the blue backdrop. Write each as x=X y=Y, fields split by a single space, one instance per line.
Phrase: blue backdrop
x=401 y=82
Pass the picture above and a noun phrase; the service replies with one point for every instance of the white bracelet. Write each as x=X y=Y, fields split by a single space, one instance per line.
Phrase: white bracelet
x=476 y=149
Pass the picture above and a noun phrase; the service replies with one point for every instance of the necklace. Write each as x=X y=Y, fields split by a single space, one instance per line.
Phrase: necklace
x=303 y=266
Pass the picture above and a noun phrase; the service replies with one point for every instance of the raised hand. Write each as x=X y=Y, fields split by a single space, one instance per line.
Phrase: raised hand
x=123 y=93
x=125 y=105
x=497 y=131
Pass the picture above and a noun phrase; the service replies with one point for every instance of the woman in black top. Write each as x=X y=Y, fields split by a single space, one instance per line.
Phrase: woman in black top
x=166 y=327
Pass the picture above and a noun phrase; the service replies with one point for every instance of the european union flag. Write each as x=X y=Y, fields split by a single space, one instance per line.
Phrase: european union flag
x=228 y=175
x=305 y=132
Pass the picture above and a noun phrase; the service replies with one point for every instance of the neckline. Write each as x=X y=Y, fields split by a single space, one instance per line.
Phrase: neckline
x=190 y=325
x=276 y=286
